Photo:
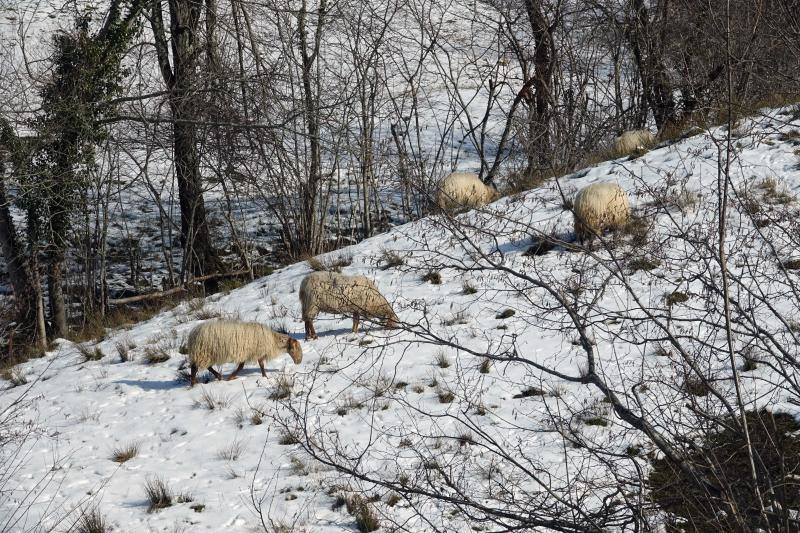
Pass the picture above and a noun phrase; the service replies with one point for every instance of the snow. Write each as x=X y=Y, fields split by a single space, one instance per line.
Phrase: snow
x=375 y=387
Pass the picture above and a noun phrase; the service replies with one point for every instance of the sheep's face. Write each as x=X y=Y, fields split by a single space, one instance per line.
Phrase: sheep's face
x=494 y=193
x=295 y=351
x=391 y=321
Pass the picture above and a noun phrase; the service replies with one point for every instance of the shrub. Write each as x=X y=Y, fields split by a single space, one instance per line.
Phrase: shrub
x=14 y=375
x=530 y=391
x=391 y=259
x=696 y=386
x=91 y=521
x=722 y=457
x=643 y=263
x=366 y=521
x=445 y=395
x=88 y=353
x=231 y=452
x=433 y=277
x=125 y=453
x=156 y=354
x=288 y=438
x=283 y=387
x=212 y=401
x=158 y=494
x=441 y=360
x=468 y=288
x=540 y=246
x=460 y=317
x=332 y=264
x=676 y=297
x=124 y=348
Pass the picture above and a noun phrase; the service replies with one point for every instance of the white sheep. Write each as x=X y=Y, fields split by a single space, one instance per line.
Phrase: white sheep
x=465 y=189
x=633 y=140
x=330 y=292
x=228 y=341
x=598 y=207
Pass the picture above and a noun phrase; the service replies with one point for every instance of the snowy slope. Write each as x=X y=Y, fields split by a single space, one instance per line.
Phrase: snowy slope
x=372 y=387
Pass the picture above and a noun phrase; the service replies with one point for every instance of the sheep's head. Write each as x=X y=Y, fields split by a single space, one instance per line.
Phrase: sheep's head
x=295 y=350
x=494 y=192
x=391 y=320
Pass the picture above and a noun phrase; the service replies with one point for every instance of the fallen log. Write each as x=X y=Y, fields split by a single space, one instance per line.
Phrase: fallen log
x=175 y=290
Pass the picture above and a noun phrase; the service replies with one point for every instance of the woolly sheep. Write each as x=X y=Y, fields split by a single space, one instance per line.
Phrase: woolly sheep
x=330 y=292
x=229 y=341
x=465 y=189
x=598 y=207
x=633 y=140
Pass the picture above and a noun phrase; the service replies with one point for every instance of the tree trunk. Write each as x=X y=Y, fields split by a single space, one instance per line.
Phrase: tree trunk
x=55 y=286
x=539 y=149
x=311 y=232
x=656 y=85
x=20 y=276
x=200 y=257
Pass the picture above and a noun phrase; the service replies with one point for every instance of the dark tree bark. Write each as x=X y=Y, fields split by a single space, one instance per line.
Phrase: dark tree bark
x=648 y=54
x=180 y=78
x=23 y=282
x=310 y=238
x=543 y=69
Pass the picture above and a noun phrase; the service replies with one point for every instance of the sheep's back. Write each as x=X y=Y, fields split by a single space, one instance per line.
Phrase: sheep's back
x=221 y=342
x=600 y=206
x=633 y=140
x=463 y=188
x=331 y=292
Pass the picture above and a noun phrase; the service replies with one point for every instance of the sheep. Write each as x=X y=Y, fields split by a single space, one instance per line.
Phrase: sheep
x=633 y=140
x=465 y=189
x=330 y=292
x=229 y=341
x=598 y=207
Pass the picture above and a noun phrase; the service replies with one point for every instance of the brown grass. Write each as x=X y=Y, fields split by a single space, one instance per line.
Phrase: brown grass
x=125 y=453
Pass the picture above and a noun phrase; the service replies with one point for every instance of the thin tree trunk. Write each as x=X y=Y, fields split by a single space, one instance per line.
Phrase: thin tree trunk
x=311 y=232
x=200 y=257
x=22 y=282
x=55 y=287
x=539 y=149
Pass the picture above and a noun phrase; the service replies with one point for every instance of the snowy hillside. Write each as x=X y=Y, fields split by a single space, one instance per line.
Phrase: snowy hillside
x=474 y=368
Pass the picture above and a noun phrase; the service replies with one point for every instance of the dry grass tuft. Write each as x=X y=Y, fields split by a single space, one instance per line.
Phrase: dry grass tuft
x=91 y=521
x=211 y=400
x=125 y=453
x=433 y=277
x=158 y=494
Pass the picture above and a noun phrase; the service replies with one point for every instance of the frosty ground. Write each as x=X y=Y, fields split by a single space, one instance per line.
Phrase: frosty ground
x=228 y=447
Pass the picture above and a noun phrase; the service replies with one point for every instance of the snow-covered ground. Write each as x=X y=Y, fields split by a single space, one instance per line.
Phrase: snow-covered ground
x=377 y=386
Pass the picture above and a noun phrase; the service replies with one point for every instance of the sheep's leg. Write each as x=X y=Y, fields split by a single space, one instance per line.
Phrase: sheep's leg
x=355 y=322
x=216 y=374
x=310 y=333
x=261 y=364
x=193 y=379
x=233 y=374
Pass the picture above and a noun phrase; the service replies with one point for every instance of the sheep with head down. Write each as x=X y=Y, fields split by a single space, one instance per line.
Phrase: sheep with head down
x=633 y=140
x=599 y=207
x=465 y=189
x=330 y=292
x=229 y=341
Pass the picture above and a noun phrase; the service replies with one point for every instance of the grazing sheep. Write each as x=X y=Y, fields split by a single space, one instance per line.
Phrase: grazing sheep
x=329 y=292
x=598 y=207
x=228 y=341
x=633 y=140
x=465 y=189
